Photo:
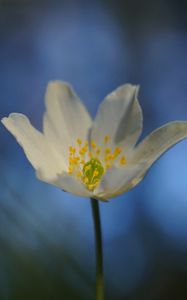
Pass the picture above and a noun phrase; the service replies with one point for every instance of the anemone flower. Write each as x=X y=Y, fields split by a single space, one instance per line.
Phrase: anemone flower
x=97 y=158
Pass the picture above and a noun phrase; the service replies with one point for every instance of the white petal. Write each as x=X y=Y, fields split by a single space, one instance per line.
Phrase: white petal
x=159 y=141
x=66 y=118
x=155 y=144
x=118 y=180
x=70 y=184
x=37 y=149
x=120 y=117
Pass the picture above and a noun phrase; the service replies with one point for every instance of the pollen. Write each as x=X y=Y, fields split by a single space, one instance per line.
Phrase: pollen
x=93 y=145
x=79 y=174
x=95 y=173
x=117 y=150
x=107 y=150
x=98 y=151
x=79 y=141
x=70 y=170
x=89 y=163
x=106 y=139
x=87 y=168
x=72 y=150
x=92 y=172
x=86 y=180
x=123 y=161
x=82 y=151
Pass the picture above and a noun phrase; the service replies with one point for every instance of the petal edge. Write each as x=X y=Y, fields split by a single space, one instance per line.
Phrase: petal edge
x=159 y=141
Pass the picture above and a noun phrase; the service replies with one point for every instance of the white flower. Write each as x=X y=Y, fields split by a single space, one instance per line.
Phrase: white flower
x=99 y=158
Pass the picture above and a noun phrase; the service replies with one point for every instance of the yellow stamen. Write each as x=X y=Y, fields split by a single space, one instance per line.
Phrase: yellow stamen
x=87 y=168
x=85 y=148
x=91 y=187
x=81 y=151
x=86 y=180
x=95 y=173
x=109 y=157
x=98 y=151
x=93 y=144
x=107 y=150
x=79 y=141
x=106 y=139
x=90 y=166
x=73 y=150
x=123 y=161
x=117 y=150
x=79 y=174
x=70 y=170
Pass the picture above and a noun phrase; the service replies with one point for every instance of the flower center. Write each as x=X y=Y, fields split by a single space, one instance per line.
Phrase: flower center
x=89 y=165
x=92 y=173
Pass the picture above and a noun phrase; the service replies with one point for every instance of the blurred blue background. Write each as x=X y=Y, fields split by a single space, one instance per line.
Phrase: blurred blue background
x=46 y=236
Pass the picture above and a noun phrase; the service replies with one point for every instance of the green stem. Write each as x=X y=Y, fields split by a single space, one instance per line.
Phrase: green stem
x=99 y=250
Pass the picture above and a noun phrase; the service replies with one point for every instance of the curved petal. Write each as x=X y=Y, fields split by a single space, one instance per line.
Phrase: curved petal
x=66 y=118
x=120 y=117
x=36 y=147
x=158 y=142
x=153 y=146
x=67 y=183
x=119 y=180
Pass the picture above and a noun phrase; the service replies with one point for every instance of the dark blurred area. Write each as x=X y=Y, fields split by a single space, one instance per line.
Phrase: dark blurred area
x=46 y=236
